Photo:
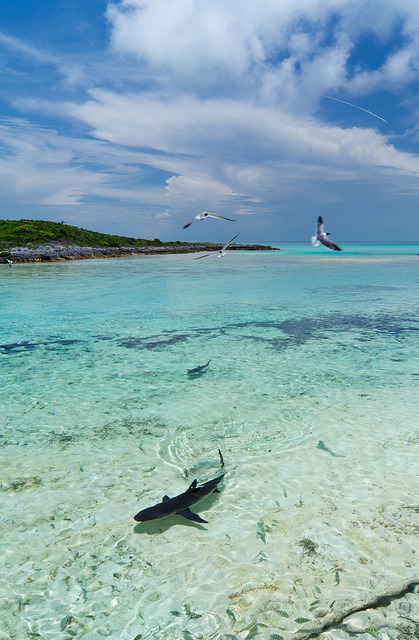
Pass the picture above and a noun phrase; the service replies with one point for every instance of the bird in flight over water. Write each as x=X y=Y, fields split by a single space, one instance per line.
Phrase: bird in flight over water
x=205 y=214
x=221 y=253
x=321 y=237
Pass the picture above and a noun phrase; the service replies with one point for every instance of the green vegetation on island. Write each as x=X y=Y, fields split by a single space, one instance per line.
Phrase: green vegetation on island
x=44 y=241
x=33 y=233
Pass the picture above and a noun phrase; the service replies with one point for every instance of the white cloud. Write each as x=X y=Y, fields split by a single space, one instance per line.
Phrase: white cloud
x=196 y=188
x=34 y=184
x=26 y=50
x=184 y=35
x=232 y=118
x=294 y=46
x=41 y=167
x=212 y=132
x=72 y=71
x=215 y=150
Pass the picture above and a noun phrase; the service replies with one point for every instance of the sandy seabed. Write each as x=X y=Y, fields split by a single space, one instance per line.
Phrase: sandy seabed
x=317 y=516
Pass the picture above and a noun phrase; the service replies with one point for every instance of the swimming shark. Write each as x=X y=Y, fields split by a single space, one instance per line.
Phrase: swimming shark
x=181 y=504
x=199 y=369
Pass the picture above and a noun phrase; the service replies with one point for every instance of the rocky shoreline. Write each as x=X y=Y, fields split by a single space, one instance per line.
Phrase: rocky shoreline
x=57 y=252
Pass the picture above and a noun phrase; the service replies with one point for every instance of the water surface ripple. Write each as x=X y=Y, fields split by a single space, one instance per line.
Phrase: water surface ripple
x=309 y=394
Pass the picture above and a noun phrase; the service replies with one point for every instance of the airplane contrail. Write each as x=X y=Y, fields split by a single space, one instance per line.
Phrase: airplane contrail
x=356 y=107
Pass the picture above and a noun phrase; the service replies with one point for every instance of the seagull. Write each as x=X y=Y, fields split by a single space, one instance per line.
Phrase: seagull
x=221 y=253
x=9 y=262
x=321 y=237
x=205 y=214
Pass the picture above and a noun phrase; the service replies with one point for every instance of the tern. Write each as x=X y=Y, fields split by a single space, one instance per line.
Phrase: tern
x=9 y=262
x=205 y=214
x=221 y=253
x=321 y=237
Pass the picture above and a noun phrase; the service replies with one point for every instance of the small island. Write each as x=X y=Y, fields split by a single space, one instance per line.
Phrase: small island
x=44 y=241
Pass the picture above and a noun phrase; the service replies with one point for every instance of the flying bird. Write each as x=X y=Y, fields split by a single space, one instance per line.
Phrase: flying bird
x=205 y=214
x=9 y=262
x=321 y=237
x=221 y=253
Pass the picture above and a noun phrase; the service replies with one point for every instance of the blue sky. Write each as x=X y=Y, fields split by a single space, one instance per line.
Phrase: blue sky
x=131 y=117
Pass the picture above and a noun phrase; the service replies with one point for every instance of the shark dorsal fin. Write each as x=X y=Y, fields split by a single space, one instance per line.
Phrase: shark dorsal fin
x=192 y=486
x=165 y=498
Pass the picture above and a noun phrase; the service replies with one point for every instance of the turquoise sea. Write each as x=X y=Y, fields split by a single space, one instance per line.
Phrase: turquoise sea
x=310 y=396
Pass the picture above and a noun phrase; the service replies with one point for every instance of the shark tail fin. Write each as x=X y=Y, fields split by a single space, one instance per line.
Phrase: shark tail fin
x=221 y=458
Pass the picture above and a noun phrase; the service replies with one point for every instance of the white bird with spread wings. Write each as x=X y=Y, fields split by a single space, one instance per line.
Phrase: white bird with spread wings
x=321 y=237
x=205 y=214
x=221 y=253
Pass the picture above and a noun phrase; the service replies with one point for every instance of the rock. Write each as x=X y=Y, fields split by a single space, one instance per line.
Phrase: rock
x=57 y=252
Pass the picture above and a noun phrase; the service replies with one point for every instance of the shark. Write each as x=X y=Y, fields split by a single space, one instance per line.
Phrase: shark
x=181 y=504
x=200 y=369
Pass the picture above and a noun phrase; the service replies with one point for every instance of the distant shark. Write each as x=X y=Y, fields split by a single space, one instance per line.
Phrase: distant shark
x=200 y=369
x=180 y=504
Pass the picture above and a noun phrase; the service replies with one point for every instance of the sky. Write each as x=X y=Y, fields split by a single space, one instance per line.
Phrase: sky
x=131 y=117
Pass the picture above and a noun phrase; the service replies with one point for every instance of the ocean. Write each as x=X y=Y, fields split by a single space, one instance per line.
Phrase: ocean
x=310 y=396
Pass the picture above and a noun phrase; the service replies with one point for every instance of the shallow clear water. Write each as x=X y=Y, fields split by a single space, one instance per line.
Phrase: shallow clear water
x=309 y=394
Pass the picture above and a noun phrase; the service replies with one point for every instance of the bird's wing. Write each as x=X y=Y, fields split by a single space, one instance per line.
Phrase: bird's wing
x=205 y=255
x=229 y=242
x=314 y=241
x=330 y=244
x=188 y=224
x=217 y=215
x=320 y=226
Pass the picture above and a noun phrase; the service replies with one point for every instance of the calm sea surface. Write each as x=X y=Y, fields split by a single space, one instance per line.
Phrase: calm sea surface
x=309 y=394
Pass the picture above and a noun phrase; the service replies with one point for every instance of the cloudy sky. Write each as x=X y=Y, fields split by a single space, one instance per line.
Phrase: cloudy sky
x=130 y=117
